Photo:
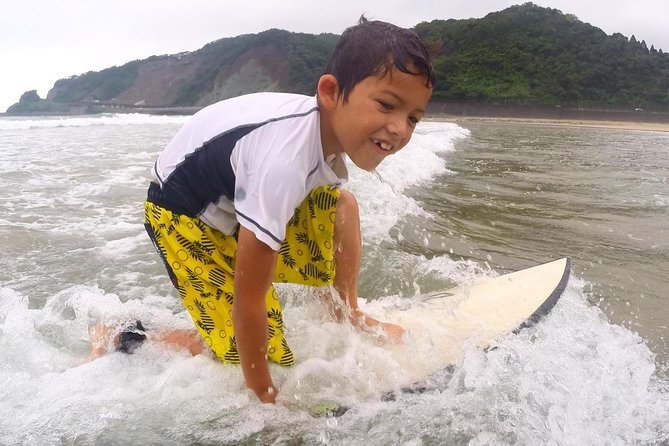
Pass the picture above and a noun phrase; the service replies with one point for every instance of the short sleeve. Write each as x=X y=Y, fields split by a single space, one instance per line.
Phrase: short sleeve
x=270 y=184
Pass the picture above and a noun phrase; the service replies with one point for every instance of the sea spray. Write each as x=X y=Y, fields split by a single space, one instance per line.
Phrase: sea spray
x=74 y=253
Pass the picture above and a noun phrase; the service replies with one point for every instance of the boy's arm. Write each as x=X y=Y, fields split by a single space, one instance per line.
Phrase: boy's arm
x=255 y=262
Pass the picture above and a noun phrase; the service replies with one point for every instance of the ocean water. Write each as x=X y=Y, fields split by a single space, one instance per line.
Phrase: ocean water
x=460 y=203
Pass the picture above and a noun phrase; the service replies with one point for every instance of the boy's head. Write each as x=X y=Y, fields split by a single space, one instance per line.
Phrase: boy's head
x=374 y=48
x=375 y=91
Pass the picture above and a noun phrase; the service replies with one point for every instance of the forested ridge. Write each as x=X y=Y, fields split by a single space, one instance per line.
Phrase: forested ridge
x=525 y=54
x=530 y=54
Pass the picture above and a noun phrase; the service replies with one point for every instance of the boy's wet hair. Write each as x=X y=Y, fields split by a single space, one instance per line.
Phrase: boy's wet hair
x=374 y=48
x=131 y=337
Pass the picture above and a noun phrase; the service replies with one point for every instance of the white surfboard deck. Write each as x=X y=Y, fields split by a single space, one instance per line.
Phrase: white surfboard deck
x=442 y=323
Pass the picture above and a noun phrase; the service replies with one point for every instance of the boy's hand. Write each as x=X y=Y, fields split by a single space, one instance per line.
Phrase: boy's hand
x=267 y=395
x=341 y=311
x=392 y=332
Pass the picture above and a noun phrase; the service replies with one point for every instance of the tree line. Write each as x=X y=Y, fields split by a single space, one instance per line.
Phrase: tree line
x=525 y=54
x=532 y=55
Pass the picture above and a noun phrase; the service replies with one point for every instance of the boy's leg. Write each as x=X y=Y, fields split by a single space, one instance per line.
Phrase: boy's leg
x=347 y=249
x=201 y=263
x=105 y=338
x=347 y=253
x=328 y=222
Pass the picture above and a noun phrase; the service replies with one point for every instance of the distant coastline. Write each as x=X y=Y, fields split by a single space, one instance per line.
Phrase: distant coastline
x=547 y=115
x=459 y=113
x=101 y=109
x=620 y=125
x=561 y=68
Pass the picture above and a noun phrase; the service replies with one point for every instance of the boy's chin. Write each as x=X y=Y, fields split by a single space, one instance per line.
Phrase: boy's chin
x=366 y=164
x=367 y=167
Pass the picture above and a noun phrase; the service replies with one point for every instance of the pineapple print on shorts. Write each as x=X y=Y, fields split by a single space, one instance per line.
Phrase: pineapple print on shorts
x=200 y=261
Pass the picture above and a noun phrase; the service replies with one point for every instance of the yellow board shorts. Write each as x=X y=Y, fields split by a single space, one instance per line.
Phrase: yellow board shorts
x=200 y=261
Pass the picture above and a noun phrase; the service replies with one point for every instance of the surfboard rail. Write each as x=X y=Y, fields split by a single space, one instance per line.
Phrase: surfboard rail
x=440 y=324
x=552 y=299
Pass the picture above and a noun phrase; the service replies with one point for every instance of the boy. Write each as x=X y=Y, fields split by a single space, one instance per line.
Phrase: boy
x=247 y=193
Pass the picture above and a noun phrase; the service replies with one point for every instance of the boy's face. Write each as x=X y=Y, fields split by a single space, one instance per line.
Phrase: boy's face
x=378 y=119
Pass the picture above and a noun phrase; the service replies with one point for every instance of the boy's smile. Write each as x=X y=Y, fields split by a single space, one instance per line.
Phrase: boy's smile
x=377 y=120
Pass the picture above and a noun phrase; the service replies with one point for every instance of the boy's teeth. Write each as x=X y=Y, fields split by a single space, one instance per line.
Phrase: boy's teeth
x=383 y=145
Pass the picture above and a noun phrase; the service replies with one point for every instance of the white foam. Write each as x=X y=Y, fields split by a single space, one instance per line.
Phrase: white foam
x=557 y=383
x=119 y=119
x=560 y=382
x=383 y=202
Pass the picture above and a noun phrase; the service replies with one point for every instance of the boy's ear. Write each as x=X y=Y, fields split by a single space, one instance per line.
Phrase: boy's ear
x=328 y=91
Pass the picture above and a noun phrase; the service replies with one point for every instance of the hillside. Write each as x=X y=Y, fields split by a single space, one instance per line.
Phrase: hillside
x=273 y=60
x=523 y=55
x=532 y=55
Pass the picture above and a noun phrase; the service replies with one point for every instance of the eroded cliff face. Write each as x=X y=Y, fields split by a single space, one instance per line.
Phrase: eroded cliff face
x=259 y=69
x=159 y=82
x=274 y=60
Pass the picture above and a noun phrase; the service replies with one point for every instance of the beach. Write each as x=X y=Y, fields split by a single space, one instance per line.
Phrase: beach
x=553 y=122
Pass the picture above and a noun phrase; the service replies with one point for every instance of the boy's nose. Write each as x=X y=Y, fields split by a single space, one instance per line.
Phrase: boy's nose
x=399 y=128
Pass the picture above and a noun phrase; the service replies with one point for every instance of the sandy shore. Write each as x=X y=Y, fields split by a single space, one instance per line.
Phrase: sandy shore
x=625 y=125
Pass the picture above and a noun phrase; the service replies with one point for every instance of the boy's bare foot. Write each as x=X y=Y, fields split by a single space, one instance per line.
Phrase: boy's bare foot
x=100 y=337
x=104 y=338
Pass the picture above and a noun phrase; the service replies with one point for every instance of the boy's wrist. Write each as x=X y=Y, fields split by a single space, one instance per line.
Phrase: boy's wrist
x=361 y=320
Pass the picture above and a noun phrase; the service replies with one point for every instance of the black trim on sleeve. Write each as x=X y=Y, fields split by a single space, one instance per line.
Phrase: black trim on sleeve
x=255 y=223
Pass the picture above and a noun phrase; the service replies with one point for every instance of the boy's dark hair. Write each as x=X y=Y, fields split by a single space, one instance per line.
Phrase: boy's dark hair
x=374 y=48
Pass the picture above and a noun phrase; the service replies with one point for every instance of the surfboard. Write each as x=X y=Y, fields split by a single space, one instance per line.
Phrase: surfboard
x=440 y=324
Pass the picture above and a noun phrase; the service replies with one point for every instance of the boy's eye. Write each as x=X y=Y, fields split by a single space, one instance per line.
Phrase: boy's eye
x=385 y=105
x=413 y=120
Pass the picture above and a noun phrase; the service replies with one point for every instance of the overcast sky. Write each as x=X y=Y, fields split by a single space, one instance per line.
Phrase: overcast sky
x=42 y=41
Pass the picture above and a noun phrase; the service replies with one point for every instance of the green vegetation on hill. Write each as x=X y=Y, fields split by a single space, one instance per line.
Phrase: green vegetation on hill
x=95 y=85
x=534 y=55
x=213 y=58
x=525 y=54
x=305 y=55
